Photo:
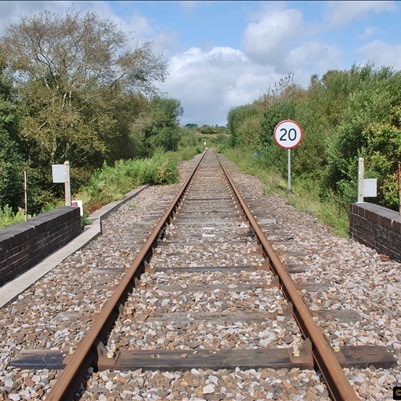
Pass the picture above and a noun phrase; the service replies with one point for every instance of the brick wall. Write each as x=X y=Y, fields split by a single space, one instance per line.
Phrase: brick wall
x=377 y=227
x=25 y=244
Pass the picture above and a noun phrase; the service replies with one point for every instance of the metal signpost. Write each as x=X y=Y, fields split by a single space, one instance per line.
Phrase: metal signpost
x=288 y=135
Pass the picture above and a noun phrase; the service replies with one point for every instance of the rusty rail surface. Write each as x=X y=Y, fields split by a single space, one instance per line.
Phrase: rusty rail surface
x=86 y=353
x=339 y=386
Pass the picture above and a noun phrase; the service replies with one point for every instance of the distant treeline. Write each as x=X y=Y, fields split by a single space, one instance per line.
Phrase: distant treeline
x=344 y=115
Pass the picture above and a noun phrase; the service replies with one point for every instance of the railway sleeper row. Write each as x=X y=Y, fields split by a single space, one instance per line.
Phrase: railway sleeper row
x=360 y=356
x=211 y=274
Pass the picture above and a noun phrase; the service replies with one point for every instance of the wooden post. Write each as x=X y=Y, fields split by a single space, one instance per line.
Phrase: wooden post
x=399 y=188
x=25 y=194
x=361 y=176
x=67 y=183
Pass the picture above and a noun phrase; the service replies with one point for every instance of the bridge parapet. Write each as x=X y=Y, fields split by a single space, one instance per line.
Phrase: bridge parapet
x=376 y=227
x=25 y=244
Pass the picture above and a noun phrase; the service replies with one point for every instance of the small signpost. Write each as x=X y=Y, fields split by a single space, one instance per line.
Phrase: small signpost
x=288 y=135
x=61 y=174
x=367 y=187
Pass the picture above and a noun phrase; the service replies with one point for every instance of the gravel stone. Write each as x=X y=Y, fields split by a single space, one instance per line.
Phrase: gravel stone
x=56 y=311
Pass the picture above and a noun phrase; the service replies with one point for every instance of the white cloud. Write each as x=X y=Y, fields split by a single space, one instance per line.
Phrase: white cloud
x=368 y=32
x=313 y=57
x=267 y=40
x=339 y=14
x=382 y=54
x=140 y=25
x=165 y=42
x=209 y=83
x=13 y=11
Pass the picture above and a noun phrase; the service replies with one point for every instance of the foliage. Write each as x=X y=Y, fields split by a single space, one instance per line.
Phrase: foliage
x=206 y=129
x=70 y=71
x=72 y=87
x=8 y=217
x=158 y=127
x=244 y=124
x=344 y=115
x=304 y=196
x=109 y=183
x=11 y=161
x=371 y=129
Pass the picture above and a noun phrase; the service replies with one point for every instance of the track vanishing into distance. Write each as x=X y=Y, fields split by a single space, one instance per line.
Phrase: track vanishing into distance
x=206 y=291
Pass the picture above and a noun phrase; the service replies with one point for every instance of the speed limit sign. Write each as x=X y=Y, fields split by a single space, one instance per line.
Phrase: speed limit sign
x=288 y=134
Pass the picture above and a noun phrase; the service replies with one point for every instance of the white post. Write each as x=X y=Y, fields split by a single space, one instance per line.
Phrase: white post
x=25 y=194
x=361 y=175
x=289 y=171
x=67 y=184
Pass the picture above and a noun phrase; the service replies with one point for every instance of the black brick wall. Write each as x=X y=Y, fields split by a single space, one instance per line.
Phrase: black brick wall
x=377 y=227
x=25 y=244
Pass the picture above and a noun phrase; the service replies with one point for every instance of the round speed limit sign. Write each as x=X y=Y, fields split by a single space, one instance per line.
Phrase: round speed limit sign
x=288 y=134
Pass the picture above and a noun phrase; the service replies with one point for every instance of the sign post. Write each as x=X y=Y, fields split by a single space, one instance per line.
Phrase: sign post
x=367 y=187
x=25 y=193
x=288 y=135
x=361 y=176
x=399 y=188
x=61 y=174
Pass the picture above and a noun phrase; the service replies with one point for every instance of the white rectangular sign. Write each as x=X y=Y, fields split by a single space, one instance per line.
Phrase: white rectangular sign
x=370 y=187
x=58 y=171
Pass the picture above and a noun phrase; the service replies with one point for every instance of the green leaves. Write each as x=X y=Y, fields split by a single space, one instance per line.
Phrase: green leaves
x=79 y=90
x=344 y=115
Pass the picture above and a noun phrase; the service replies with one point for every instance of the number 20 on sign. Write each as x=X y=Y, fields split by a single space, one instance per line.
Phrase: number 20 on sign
x=288 y=135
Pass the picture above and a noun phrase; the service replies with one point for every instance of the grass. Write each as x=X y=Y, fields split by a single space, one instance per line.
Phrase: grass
x=111 y=183
x=8 y=217
x=304 y=193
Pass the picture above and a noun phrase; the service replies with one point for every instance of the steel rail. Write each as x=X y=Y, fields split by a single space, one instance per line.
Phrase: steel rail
x=85 y=355
x=339 y=386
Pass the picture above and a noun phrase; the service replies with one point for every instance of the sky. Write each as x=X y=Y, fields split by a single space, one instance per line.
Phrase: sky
x=224 y=54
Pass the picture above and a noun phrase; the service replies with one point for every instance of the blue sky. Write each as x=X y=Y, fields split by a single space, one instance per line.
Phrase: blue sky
x=223 y=54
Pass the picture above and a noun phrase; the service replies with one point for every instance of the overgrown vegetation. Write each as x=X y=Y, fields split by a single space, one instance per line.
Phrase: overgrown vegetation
x=112 y=183
x=344 y=115
x=8 y=217
x=73 y=88
x=304 y=195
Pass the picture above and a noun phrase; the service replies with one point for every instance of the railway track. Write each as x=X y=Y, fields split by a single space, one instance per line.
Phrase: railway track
x=206 y=291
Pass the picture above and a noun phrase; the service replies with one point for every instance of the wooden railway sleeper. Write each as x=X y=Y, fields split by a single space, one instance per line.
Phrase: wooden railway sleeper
x=313 y=348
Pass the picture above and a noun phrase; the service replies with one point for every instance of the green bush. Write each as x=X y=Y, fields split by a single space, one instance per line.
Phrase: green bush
x=306 y=192
x=8 y=217
x=344 y=115
x=111 y=183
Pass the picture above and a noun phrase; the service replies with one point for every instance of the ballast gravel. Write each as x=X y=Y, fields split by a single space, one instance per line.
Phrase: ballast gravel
x=56 y=311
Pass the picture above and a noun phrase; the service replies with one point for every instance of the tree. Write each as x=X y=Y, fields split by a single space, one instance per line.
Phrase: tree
x=11 y=159
x=371 y=128
x=70 y=72
x=162 y=129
